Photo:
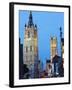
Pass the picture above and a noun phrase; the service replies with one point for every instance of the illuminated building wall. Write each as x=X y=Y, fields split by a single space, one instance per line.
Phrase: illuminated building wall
x=53 y=46
x=30 y=46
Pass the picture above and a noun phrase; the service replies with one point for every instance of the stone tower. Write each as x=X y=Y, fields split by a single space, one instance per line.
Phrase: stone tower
x=30 y=47
x=53 y=46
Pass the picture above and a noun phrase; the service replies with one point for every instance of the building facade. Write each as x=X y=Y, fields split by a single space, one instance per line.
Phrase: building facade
x=53 y=51
x=49 y=68
x=53 y=46
x=30 y=47
x=40 y=68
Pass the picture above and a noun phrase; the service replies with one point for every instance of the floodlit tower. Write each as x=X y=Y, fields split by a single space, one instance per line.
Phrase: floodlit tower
x=53 y=46
x=30 y=46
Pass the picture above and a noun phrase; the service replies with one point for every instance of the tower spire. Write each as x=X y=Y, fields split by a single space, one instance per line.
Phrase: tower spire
x=30 y=22
x=61 y=40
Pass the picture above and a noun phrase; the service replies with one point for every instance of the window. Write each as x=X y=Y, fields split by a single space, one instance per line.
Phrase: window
x=30 y=48
x=31 y=58
x=26 y=49
x=28 y=34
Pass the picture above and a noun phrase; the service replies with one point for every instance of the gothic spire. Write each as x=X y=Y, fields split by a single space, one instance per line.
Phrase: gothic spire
x=60 y=32
x=30 y=22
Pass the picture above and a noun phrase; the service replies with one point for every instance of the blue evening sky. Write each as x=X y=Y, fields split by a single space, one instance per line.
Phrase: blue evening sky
x=48 y=24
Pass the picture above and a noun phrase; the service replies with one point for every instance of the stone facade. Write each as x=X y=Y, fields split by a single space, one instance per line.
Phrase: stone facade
x=30 y=46
x=53 y=46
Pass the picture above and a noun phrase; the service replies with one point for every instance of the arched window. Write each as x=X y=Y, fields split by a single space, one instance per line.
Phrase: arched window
x=26 y=49
x=28 y=34
x=30 y=48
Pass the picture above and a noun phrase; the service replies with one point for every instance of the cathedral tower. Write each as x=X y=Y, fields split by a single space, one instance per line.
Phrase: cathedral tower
x=30 y=46
x=53 y=45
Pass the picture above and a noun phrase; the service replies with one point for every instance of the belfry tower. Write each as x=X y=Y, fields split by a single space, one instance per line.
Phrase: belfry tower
x=53 y=46
x=30 y=47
